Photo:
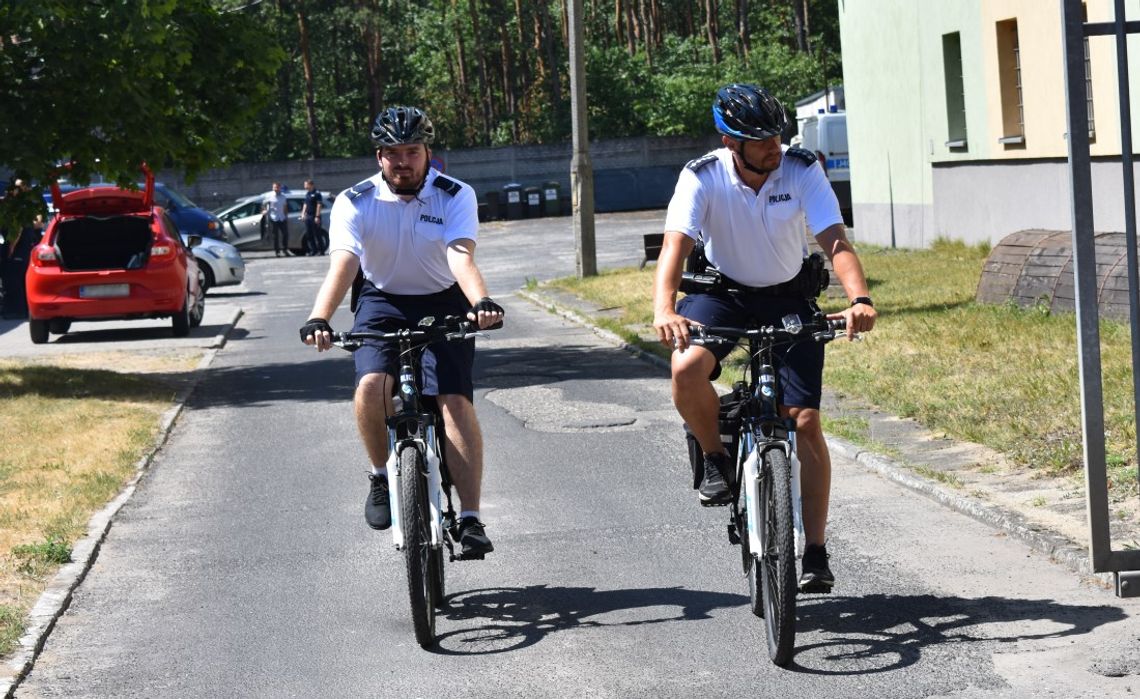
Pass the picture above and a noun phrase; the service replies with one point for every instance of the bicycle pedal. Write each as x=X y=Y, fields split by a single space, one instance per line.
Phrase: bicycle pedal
x=713 y=503
x=468 y=557
x=815 y=588
x=733 y=535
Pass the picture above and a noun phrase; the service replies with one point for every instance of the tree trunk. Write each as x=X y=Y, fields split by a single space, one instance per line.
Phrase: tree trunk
x=801 y=12
x=646 y=32
x=307 y=68
x=510 y=94
x=546 y=37
x=711 y=28
x=743 y=44
x=484 y=83
x=464 y=81
x=372 y=41
x=631 y=30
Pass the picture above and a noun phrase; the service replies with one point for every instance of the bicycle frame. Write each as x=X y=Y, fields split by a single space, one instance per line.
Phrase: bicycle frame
x=416 y=424
x=761 y=431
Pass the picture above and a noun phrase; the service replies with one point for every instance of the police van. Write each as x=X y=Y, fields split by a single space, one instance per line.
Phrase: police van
x=825 y=134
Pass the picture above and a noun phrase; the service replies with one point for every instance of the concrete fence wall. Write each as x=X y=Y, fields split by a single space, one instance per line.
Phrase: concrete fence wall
x=629 y=174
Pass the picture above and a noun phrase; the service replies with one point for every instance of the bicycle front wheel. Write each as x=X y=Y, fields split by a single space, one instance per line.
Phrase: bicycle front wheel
x=778 y=557
x=416 y=520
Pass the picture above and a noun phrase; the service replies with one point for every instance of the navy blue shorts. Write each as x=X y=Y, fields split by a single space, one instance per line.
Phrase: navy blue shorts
x=446 y=366
x=800 y=366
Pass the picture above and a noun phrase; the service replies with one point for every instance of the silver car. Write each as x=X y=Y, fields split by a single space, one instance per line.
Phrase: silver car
x=244 y=223
x=221 y=263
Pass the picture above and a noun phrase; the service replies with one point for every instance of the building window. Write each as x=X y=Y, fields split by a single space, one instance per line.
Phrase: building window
x=1009 y=76
x=1088 y=78
x=955 y=92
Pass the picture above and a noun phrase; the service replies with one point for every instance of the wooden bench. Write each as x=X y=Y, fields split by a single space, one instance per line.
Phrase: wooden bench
x=653 y=243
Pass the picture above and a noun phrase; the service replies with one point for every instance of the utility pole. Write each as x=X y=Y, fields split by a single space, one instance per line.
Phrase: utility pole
x=581 y=170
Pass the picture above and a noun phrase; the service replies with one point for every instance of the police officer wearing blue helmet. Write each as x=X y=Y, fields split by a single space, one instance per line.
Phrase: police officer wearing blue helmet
x=749 y=203
x=410 y=233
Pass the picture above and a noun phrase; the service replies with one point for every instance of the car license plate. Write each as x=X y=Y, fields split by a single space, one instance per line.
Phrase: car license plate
x=103 y=291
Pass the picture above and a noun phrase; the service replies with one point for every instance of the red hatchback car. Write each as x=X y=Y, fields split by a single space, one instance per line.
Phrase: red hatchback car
x=110 y=254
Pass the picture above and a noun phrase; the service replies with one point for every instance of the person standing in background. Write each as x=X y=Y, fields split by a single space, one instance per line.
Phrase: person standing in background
x=314 y=241
x=276 y=213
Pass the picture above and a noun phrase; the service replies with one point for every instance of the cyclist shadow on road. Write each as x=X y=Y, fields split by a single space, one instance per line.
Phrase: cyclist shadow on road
x=882 y=633
x=513 y=618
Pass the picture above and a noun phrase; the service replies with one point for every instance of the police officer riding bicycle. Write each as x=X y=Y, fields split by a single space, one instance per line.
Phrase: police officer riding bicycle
x=404 y=239
x=748 y=203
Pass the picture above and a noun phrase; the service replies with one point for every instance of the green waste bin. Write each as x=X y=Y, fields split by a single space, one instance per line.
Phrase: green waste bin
x=512 y=200
x=533 y=202
x=550 y=199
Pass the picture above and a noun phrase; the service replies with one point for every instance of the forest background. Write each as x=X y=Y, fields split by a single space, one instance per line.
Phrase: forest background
x=101 y=86
x=492 y=72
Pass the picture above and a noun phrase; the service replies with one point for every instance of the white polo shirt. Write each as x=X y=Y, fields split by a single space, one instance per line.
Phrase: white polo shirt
x=756 y=238
x=402 y=245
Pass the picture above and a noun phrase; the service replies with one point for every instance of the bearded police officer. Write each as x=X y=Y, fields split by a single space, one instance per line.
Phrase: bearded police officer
x=410 y=232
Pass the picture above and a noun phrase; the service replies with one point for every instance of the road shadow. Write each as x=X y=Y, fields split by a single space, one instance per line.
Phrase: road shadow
x=512 y=618
x=882 y=633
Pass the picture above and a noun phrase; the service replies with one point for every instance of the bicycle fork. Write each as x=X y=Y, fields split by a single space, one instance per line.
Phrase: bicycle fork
x=751 y=490
x=428 y=447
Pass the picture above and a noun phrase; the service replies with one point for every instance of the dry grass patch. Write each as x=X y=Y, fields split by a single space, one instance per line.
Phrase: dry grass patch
x=71 y=439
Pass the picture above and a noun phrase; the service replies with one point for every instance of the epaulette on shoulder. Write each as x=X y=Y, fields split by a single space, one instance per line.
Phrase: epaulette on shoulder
x=803 y=154
x=359 y=188
x=698 y=163
x=447 y=184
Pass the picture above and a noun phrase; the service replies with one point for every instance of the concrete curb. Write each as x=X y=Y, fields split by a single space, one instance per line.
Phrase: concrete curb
x=1054 y=545
x=56 y=598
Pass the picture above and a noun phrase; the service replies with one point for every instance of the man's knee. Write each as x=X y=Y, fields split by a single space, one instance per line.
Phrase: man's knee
x=693 y=367
x=808 y=423
x=372 y=389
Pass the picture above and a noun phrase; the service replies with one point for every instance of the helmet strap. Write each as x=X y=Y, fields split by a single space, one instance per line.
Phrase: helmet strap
x=747 y=165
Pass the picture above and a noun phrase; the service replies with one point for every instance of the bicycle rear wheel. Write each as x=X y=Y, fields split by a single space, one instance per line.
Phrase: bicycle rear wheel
x=416 y=520
x=778 y=558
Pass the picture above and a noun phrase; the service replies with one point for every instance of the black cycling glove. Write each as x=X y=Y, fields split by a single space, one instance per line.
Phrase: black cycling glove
x=487 y=305
x=314 y=325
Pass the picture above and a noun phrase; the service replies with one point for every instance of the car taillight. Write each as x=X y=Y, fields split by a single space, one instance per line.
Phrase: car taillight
x=162 y=249
x=44 y=256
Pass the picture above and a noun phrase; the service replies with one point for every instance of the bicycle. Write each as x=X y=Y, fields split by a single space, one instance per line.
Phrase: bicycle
x=418 y=479
x=768 y=524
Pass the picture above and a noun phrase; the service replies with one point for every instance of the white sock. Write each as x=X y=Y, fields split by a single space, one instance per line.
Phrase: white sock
x=469 y=513
x=382 y=471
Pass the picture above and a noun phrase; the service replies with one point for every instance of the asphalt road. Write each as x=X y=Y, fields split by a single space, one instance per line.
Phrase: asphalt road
x=242 y=565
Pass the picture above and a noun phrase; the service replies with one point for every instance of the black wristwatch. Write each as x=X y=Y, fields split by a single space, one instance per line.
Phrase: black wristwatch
x=862 y=299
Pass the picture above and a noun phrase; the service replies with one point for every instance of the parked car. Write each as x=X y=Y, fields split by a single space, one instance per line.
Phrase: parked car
x=244 y=225
x=112 y=254
x=190 y=218
x=220 y=262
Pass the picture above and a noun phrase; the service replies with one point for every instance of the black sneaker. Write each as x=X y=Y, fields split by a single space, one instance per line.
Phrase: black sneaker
x=473 y=539
x=377 y=510
x=714 y=488
x=817 y=575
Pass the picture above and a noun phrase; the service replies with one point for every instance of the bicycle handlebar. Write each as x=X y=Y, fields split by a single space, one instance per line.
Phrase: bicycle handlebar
x=817 y=331
x=453 y=328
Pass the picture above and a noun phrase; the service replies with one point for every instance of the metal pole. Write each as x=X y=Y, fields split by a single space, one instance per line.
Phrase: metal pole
x=1129 y=208
x=1085 y=286
x=581 y=170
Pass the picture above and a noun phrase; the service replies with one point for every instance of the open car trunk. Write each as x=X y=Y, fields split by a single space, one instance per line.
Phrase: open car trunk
x=116 y=242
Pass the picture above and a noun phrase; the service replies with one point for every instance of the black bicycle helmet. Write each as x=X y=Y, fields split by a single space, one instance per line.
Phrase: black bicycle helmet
x=396 y=126
x=748 y=112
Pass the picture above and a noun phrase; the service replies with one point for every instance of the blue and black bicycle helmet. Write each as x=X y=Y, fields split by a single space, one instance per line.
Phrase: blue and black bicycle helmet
x=748 y=112
x=397 y=126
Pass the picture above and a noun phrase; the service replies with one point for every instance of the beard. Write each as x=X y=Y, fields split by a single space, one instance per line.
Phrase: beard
x=405 y=178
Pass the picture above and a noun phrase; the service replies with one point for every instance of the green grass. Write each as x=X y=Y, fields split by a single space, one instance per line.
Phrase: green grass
x=1002 y=376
